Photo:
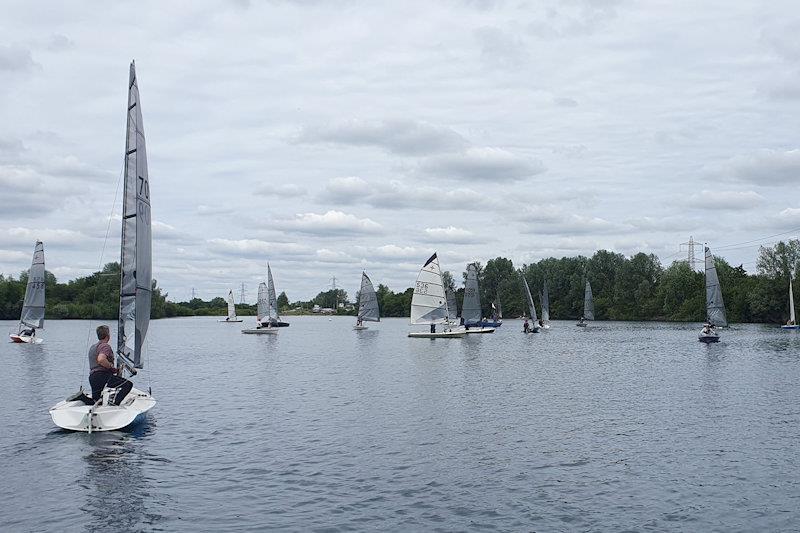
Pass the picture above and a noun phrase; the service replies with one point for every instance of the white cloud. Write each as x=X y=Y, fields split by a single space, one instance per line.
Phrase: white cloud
x=256 y=248
x=767 y=167
x=329 y=223
x=725 y=200
x=450 y=235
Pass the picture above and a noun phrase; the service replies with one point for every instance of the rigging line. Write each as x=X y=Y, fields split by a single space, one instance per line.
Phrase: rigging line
x=795 y=230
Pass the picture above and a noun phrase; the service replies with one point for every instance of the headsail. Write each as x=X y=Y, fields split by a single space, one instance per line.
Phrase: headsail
x=529 y=298
x=272 y=311
x=429 y=304
x=545 y=304
x=368 y=301
x=263 y=302
x=471 y=307
x=588 y=302
x=231 y=307
x=33 y=307
x=791 y=303
x=715 y=306
x=136 y=273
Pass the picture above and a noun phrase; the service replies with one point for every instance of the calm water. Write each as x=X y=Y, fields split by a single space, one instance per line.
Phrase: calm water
x=619 y=427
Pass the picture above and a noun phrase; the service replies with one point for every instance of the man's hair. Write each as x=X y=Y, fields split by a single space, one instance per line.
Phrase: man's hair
x=102 y=332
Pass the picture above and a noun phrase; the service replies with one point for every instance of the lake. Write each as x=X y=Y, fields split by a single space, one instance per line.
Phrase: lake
x=616 y=427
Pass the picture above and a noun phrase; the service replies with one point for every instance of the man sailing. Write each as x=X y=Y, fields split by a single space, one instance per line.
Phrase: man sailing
x=102 y=372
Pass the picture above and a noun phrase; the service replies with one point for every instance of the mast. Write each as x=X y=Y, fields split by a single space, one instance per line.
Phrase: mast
x=136 y=249
x=32 y=314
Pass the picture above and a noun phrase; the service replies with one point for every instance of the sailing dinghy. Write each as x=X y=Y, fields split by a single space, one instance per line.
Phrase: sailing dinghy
x=792 y=324
x=429 y=303
x=135 y=286
x=715 y=306
x=471 y=308
x=367 y=304
x=262 y=312
x=32 y=317
x=534 y=327
x=272 y=316
x=588 y=306
x=231 y=310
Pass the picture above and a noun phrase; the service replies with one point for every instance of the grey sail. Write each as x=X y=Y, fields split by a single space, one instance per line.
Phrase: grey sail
x=33 y=307
x=136 y=272
x=588 y=302
x=529 y=299
x=715 y=306
x=471 y=309
x=262 y=311
x=368 y=301
x=452 y=307
x=272 y=311
x=545 y=304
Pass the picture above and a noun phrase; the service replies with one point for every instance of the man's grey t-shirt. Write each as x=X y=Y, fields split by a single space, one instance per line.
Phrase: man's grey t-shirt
x=95 y=350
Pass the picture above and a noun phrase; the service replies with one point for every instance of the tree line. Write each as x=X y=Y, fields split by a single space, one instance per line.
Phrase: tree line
x=624 y=288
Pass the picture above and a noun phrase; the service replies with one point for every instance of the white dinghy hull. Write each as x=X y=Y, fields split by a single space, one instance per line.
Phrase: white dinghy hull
x=24 y=339
x=479 y=330
x=77 y=416
x=438 y=335
x=260 y=331
x=359 y=328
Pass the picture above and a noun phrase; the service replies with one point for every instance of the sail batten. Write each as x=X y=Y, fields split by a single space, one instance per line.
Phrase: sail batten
x=715 y=305
x=368 y=301
x=471 y=306
x=588 y=302
x=136 y=249
x=32 y=314
x=429 y=302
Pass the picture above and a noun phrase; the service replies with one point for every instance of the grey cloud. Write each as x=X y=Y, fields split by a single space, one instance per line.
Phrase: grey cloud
x=565 y=102
x=400 y=136
x=553 y=221
x=16 y=59
x=257 y=248
x=59 y=43
x=766 y=167
x=725 y=200
x=483 y=164
x=500 y=48
x=281 y=190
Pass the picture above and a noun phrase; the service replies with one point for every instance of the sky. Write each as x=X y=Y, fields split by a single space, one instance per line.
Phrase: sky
x=333 y=137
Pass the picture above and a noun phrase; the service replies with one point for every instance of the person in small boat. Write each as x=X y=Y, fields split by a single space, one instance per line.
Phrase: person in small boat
x=102 y=371
x=790 y=322
x=28 y=332
x=541 y=323
x=433 y=328
x=708 y=329
x=359 y=322
x=581 y=320
x=526 y=327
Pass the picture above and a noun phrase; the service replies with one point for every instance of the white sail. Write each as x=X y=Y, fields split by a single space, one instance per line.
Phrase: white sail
x=715 y=306
x=33 y=307
x=791 y=303
x=368 y=301
x=429 y=303
x=136 y=277
x=545 y=304
x=529 y=298
x=272 y=311
x=262 y=310
x=471 y=307
x=231 y=307
x=588 y=302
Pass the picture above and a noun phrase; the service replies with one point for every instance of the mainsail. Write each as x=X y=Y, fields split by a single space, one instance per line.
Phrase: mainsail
x=545 y=304
x=33 y=307
x=263 y=302
x=136 y=272
x=529 y=298
x=715 y=306
x=588 y=302
x=471 y=307
x=368 y=301
x=231 y=307
x=429 y=303
x=452 y=306
x=272 y=311
x=791 y=304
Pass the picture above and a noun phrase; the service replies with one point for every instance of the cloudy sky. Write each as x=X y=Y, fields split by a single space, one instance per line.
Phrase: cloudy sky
x=330 y=137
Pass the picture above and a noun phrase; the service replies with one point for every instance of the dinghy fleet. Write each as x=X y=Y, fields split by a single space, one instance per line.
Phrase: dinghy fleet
x=433 y=305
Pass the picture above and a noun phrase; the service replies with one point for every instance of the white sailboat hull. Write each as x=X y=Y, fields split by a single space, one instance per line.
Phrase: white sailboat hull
x=708 y=337
x=359 y=328
x=437 y=335
x=260 y=331
x=231 y=321
x=24 y=339
x=479 y=330
x=790 y=327
x=77 y=416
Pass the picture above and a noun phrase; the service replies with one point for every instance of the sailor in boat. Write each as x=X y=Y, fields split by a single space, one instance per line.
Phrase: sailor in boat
x=102 y=372
x=359 y=322
x=708 y=329
x=581 y=320
x=433 y=328
x=526 y=327
x=790 y=322
x=28 y=332
x=541 y=323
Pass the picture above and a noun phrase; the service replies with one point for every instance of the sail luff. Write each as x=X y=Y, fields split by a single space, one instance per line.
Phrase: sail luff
x=368 y=301
x=471 y=306
x=231 y=306
x=429 y=303
x=32 y=314
x=136 y=246
x=531 y=306
x=791 y=303
x=715 y=305
x=272 y=311
x=588 y=302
